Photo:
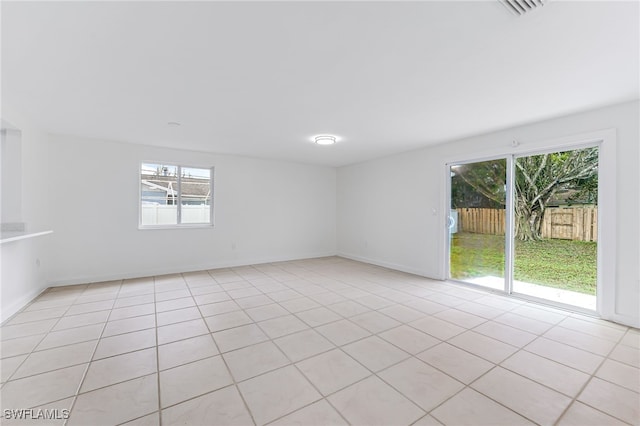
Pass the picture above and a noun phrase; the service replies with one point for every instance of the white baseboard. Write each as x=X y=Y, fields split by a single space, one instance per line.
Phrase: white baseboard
x=390 y=265
x=186 y=268
x=15 y=307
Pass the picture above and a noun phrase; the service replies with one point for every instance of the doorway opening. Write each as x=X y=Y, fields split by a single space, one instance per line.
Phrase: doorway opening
x=527 y=225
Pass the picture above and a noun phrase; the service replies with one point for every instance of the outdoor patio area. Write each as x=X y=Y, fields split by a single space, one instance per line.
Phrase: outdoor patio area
x=555 y=295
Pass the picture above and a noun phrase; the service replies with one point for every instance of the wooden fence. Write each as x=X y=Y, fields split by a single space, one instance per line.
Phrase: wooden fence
x=482 y=221
x=573 y=223
x=566 y=223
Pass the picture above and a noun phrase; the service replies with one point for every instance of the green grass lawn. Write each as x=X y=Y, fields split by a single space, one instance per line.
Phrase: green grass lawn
x=565 y=264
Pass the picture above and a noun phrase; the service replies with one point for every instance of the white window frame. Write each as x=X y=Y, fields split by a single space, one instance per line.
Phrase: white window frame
x=178 y=199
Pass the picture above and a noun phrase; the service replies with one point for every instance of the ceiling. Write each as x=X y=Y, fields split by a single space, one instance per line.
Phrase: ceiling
x=262 y=78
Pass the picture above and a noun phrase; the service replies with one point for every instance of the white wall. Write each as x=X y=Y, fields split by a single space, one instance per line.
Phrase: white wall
x=390 y=210
x=24 y=264
x=267 y=210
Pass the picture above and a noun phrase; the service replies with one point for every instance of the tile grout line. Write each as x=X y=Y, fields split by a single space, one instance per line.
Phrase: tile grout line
x=157 y=348
x=32 y=350
x=86 y=370
x=534 y=381
x=34 y=300
x=588 y=381
x=468 y=386
x=345 y=344
x=233 y=381
x=34 y=347
x=518 y=349
x=375 y=293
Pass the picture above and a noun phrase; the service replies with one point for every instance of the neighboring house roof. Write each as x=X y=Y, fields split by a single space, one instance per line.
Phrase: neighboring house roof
x=569 y=197
x=195 y=188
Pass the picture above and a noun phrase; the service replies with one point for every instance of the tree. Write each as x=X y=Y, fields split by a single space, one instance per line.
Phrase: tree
x=540 y=177
x=480 y=185
x=537 y=179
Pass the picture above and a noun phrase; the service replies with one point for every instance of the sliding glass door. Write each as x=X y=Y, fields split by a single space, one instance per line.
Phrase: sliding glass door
x=556 y=226
x=477 y=222
x=527 y=224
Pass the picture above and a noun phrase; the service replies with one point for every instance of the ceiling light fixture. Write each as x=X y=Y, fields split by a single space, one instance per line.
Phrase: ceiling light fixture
x=325 y=140
x=173 y=124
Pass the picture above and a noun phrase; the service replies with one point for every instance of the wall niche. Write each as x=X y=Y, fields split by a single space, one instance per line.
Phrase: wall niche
x=11 y=179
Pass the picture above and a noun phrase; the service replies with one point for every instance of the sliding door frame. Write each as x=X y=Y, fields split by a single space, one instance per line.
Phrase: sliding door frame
x=508 y=232
x=605 y=140
x=597 y=144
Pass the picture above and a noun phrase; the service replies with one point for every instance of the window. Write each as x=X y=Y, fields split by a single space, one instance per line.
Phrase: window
x=173 y=195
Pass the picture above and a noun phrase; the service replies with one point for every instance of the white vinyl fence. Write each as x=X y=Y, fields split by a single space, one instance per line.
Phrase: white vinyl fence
x=166 y=214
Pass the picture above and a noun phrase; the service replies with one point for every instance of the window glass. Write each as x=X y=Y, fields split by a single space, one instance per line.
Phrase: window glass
x=195 y=185
x=174 y=195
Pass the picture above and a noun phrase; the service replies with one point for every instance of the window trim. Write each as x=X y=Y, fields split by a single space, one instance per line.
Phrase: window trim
x=178 y=199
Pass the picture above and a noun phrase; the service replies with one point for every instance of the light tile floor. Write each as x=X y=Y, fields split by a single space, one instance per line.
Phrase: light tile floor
x=322 y=341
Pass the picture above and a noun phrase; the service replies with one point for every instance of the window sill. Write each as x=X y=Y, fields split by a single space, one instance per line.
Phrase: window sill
x=183 y=226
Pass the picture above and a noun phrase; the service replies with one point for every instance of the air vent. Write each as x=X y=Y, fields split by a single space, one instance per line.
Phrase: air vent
x=521 y=7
